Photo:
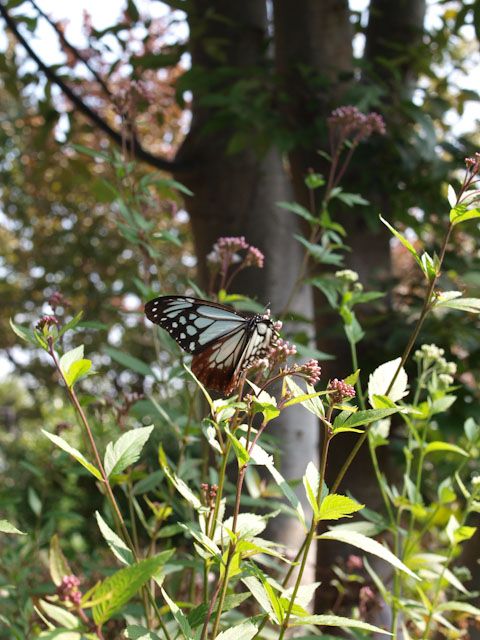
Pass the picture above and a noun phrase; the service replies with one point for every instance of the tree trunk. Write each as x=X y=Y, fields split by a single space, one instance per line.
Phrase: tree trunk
x=236 y=194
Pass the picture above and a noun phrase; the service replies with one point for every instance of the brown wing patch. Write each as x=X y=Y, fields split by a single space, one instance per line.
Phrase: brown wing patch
x=217 y=366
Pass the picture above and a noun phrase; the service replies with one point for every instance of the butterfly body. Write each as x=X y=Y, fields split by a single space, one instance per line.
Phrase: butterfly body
x=223 y=342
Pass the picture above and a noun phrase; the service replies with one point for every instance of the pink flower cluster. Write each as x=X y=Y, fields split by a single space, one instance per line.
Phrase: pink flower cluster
x=68 y=590
x=57 y=299
x=312 y=371
x=281 y=350
x=225 y=253
x=339 y=391
x=350 y=122
x=473 y=163
x=46 y=321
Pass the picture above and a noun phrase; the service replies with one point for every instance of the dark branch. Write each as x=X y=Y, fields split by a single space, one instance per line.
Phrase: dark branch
x=139 y=152
x=76 y=53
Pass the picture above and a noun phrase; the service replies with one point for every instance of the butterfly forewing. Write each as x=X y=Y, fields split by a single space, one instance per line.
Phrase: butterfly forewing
x=192 y=322
x=224 y=343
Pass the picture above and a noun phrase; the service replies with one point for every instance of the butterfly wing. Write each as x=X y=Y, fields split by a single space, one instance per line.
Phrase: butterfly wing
x=223 y=343
x=220 y=366
x=194 y=323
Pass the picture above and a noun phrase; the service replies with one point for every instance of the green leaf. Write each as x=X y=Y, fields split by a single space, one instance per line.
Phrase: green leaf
x=313 y=404
x=137 y=632
x=261 y=457
x=130 y=362
x=69 y=358
x=196 y=617
x=63 y=444
x=258 y=592
x=120 y=587
x=320 y=253
x=298 y=210
x=71 y=324
x=116 y=544
x=472 y=305
x=311 y=480
x=126 y=450
x=7 y=527
x=78 y=370
x=351 y=199
x=58 y=565
x=328 y=287
x=243 y=631
x=179 y=616
x=178 y=483
x=444 y=446
x=365 y=417
x=460 y=213
x=23 y=333
x=452 y=197
x=368 y=545
x=59 y=615
x=337 y=621
x=352 y=378
x=408 y=245
x=335 y=506
x=241 y=453
x=379 y=381
x=314 y=180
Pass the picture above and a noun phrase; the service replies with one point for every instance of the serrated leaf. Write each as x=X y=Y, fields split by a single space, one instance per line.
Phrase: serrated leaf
x=380 y=380
x=126 y=450
x=337 y=621
x=116 y=544
x=7 y=527
x=124 y=584
x=368 y=545
x=63 y=444
x=243 y=631
x=58 y=564
x=368 y=416
x=336 y=506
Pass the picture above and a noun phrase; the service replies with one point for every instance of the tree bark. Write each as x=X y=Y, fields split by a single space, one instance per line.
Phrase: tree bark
x=236 y=194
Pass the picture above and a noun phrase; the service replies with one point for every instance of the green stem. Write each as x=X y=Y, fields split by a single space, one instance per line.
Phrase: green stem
x=117 y=514
x=427 y=305
x=311 y=533
x=358 y=384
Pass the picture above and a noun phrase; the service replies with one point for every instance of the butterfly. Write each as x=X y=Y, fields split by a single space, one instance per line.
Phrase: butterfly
x=224 y=343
